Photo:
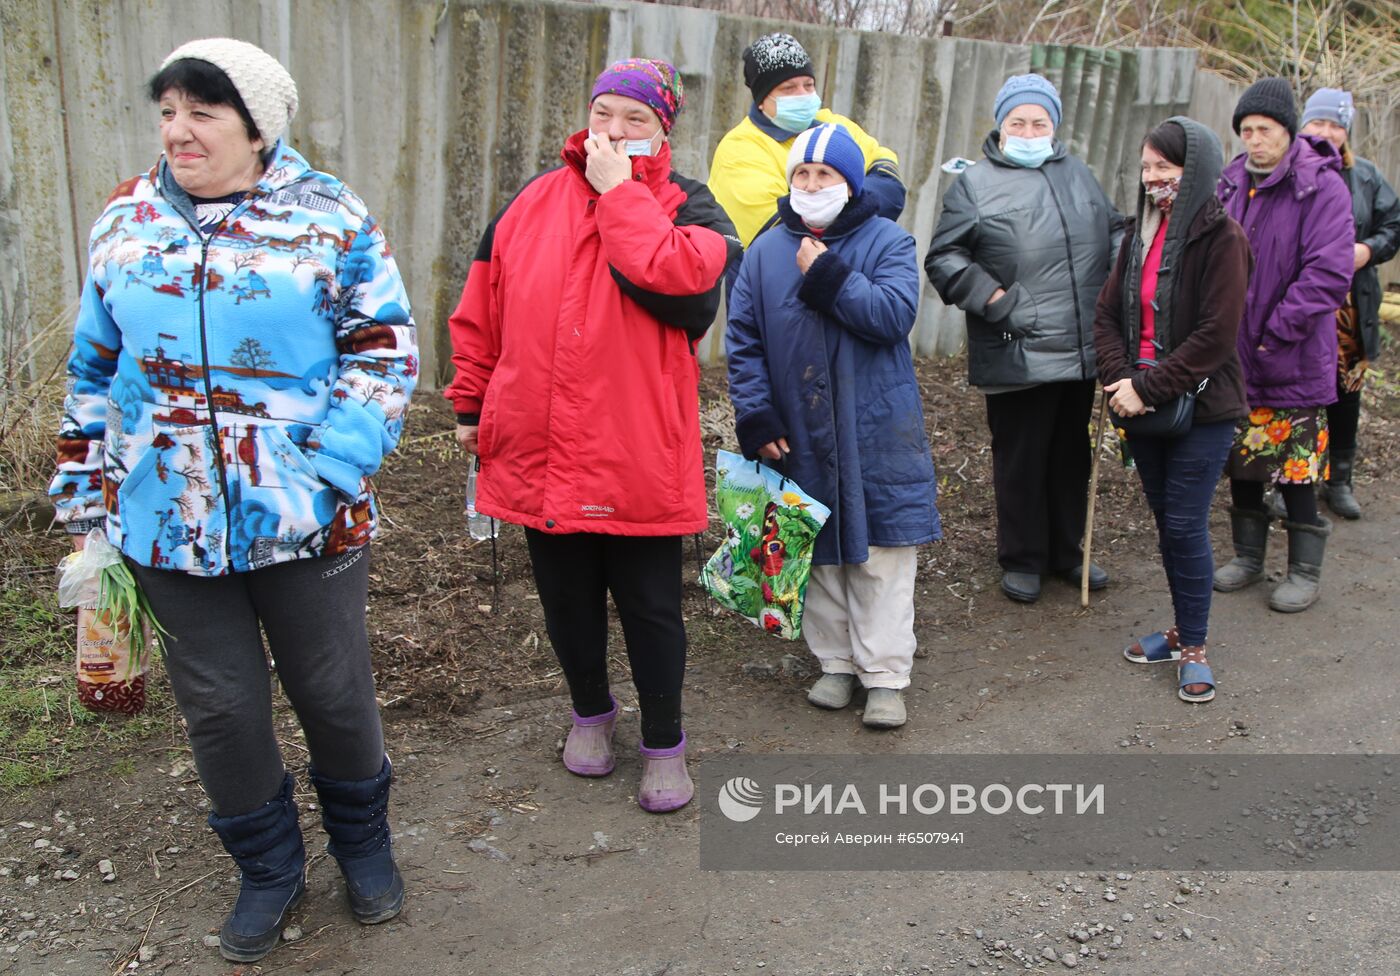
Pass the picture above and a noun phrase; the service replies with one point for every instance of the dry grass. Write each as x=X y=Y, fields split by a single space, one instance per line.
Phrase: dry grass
x=31 y=403
x=1330 y=44
x=1336 y=43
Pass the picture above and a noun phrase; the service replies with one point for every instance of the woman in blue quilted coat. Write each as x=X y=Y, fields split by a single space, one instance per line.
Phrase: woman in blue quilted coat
x=822 y=380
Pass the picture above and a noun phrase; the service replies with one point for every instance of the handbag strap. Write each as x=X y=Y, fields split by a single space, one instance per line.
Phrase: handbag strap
x=1153 y=364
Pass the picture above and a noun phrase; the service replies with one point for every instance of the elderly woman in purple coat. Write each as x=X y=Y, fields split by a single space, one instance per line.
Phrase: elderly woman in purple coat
x=1287 y=191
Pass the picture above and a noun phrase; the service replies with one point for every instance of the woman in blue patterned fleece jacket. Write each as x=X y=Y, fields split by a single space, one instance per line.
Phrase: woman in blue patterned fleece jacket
x=242 y=363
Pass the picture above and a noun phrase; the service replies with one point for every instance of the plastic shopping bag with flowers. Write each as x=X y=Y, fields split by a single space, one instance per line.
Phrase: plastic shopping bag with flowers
x=761 y=569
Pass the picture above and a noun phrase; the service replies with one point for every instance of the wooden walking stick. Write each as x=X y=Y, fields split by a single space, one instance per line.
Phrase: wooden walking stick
x=1093 y=494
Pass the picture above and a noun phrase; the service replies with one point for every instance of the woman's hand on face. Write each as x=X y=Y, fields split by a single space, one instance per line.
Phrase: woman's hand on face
x=466 y=436
x=607 y=167
x=808 y=251
x=774 y=450
x=1125 y=400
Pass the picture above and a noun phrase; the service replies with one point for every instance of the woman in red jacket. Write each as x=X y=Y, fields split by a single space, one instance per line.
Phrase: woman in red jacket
x=577 y=386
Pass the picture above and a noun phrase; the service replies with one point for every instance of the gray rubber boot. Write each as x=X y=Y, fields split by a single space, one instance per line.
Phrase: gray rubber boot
x=1337 y=489
x=1306 y=546
x=832 y=691
x=884 y=709
x=1249 y=529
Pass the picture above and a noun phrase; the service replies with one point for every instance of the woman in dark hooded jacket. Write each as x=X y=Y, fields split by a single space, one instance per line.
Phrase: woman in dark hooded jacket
x=1166 y=325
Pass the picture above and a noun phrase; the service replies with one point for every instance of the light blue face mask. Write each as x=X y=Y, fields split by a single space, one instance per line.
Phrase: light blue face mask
x=1029 y=153
x=796 y=113
x=633 y=147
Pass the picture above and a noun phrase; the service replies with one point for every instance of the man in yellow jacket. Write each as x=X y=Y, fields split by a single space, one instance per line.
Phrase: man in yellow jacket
x=749 y=171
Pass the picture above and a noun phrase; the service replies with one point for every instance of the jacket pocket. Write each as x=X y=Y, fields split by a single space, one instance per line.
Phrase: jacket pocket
x=129 y=498
x=486 y=423
x=170 y=498
x=890 y=431
x=288 y=453
x=1014 y=314
x=1275 y=365
x=282 y=503
x=675 y=436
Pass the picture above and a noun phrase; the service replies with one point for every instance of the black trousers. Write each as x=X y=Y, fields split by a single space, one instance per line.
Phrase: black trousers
x=574 y=574
x=1040 y=470
x=313 y=612
x=1343 y=419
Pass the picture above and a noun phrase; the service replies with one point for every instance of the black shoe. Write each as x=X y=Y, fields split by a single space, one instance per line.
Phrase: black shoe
x=1074 y=575
x=266 y=845
x=1337 y=492
x=355 y=814
x=1021 y=587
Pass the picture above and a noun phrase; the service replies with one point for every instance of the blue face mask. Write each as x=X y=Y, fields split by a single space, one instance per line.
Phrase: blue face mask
x=796 y=113
x=633 y=147
x=1029 y=153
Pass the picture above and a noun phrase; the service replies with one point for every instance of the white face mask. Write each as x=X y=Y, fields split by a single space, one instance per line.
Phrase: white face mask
x=819 y=208
x=633 y=147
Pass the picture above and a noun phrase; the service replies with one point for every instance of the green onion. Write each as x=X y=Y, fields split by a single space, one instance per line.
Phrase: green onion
x=120 y=598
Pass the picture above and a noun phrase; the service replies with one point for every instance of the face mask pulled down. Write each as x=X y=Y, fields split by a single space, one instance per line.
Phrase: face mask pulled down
x=819 y=208
x=633 y=147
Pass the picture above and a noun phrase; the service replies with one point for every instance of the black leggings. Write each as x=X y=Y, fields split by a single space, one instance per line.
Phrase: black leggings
x=574 y=574
x=1300 y=500
x=313 y=612
x=1343 y=419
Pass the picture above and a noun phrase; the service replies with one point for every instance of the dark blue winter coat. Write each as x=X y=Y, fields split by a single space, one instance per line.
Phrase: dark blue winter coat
x=824 y=360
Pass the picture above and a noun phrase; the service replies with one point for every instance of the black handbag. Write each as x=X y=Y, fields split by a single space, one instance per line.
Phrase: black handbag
x=1171 y=419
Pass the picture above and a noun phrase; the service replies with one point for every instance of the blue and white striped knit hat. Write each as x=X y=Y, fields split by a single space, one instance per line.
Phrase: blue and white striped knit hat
x=831 y=144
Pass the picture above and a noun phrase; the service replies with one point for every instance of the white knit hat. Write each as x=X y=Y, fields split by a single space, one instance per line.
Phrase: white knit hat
x=266 y=88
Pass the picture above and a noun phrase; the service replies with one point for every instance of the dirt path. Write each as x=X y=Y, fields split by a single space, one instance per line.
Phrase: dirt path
x=514 y=866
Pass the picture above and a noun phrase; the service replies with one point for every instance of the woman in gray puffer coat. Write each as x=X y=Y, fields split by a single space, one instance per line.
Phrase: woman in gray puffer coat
x=1023 y=245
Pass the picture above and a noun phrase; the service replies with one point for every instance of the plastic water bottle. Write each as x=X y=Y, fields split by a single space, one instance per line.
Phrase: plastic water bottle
x=480 y=527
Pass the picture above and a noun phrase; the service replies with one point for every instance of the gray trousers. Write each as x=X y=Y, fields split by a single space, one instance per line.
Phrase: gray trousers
x=313 y=612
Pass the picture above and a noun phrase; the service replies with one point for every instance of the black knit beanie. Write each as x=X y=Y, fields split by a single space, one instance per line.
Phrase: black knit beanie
x=772 y=60
x=1272 y=97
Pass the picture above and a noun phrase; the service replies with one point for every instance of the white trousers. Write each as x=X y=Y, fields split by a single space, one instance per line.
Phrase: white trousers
x=859 y=618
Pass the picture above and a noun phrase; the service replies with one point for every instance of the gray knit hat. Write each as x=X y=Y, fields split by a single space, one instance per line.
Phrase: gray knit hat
x=266 y=88
x=1331 y=104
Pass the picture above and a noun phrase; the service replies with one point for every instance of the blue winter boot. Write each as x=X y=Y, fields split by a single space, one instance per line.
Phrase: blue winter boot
x=355 y=814
x=266 y=845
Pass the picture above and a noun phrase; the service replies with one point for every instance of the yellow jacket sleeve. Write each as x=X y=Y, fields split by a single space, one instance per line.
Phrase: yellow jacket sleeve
x=747 y=177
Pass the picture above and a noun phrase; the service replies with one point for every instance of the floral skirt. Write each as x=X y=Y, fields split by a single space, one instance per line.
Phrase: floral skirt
x=1283 y=445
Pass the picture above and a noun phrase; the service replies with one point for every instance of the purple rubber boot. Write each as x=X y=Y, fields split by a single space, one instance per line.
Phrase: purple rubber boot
x=588 y=751
x=666 y=785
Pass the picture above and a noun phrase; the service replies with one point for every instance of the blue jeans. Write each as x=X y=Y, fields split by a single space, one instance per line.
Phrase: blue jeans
x=1179 y=476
